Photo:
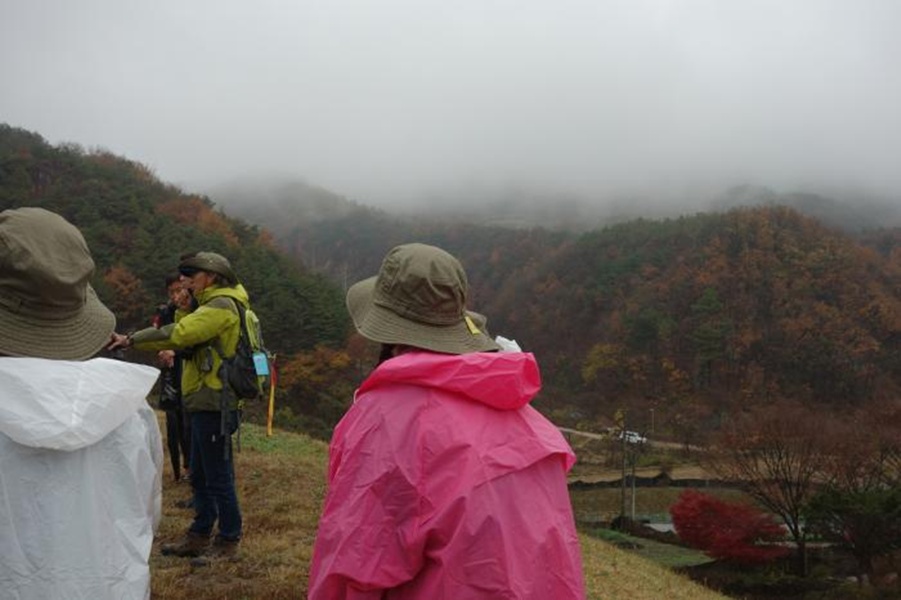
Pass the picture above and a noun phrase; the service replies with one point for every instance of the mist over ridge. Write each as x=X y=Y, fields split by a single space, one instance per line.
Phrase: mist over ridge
x=518 y=207
x=408 y=105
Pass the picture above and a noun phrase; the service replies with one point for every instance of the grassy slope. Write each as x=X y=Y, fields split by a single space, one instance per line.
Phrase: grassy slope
x=281 y=484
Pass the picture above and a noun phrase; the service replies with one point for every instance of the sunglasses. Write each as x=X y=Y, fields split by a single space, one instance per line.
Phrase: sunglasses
x=188 y=271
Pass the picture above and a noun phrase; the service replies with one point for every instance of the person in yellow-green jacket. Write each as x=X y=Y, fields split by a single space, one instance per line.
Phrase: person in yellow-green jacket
x=205 y=335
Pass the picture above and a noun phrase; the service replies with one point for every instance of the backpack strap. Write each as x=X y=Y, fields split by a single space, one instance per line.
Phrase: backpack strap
x=224 y=395
x=242 y=326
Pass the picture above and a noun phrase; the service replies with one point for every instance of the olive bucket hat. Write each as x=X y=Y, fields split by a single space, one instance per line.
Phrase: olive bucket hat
x=418 y=299
x=48 y=308
x=210 y=262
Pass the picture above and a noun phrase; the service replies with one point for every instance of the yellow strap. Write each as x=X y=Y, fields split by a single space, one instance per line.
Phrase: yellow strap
x=271 y=407
x=473 y=329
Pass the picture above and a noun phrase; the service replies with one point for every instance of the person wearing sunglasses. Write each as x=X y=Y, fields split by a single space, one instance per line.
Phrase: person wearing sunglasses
x=205 y=336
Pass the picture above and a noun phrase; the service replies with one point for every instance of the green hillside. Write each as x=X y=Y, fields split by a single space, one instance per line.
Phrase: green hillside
x=683 y=321
x=137 y=228
x=700 y=316
x=688 y=319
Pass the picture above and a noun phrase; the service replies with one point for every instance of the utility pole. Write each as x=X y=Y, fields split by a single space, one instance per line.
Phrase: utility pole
x=622 y=511
x=632 y=518
x=620 y=420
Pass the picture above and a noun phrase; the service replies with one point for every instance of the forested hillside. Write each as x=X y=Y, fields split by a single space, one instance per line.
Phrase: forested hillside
x=682 y=320
x=137 y=227
x=699 y=316
x=685 y=318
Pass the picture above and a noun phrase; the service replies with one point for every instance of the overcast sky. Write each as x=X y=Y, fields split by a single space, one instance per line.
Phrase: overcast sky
x=390 y=99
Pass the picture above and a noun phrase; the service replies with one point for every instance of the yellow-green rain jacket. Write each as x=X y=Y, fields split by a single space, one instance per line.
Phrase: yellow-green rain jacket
x=211 y=329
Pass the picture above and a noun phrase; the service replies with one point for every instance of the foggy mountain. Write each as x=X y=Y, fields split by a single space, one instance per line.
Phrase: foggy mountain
x=761 y=298
x=693 y=316
x=279 y=203
x=423 y=104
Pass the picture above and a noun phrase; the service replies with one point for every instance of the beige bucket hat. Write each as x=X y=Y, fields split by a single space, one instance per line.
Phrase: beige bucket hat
x=418 y=299
x=48 y=308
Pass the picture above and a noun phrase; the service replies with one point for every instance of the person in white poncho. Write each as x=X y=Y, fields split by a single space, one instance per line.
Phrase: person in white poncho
x=80 y=449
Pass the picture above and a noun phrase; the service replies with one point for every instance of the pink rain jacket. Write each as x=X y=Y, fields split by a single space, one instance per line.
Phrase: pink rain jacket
x=445 y=485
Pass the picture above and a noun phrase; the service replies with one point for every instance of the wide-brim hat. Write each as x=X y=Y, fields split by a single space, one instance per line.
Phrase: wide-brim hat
x=418 y=299
x=210 y=262
x=48 y=308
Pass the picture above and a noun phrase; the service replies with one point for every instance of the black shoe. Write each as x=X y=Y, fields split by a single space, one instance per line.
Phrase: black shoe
x=220 y=550
x=192 y=544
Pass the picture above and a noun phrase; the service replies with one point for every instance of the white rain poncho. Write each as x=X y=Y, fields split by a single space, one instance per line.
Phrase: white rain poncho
x=80 y=479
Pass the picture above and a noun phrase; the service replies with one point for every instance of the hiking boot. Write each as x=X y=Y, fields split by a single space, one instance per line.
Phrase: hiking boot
x=192 y=544
x=220 y=549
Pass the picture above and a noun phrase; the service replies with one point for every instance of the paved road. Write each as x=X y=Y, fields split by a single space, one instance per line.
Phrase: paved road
x=606 y=436
x=588 y=434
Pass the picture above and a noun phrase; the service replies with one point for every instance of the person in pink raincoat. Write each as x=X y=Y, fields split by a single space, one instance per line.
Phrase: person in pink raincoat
x=443 y=482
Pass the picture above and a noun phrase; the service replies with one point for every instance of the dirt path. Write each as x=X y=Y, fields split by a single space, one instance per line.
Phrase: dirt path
x=606 y=436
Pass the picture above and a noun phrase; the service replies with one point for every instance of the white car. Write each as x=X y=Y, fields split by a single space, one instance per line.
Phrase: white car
x=633 y=437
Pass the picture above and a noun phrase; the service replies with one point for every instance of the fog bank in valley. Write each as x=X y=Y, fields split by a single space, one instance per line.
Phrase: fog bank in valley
x=409 y=103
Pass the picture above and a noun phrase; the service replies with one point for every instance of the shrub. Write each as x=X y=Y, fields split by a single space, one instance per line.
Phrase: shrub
x=727 y=531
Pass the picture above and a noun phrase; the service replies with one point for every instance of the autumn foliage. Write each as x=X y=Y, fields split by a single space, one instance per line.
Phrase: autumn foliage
x=320 y=383
x=197 y=213
x=129 y=297
x=680 y=321
x=727 y=531
x=314 y=368
x=689 y=318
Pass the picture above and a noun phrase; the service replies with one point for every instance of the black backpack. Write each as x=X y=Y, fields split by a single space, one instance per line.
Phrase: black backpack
x=248 y=370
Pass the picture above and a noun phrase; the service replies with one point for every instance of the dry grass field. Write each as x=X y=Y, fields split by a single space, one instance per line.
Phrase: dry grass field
x=281 y=481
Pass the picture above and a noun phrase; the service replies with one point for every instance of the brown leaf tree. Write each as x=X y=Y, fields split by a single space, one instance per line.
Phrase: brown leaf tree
x=778 y=455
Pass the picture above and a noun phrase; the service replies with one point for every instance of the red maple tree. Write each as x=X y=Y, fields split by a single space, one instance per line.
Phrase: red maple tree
x=730 y=531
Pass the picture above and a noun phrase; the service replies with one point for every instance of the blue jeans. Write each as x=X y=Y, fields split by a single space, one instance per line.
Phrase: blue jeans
x=213 y=475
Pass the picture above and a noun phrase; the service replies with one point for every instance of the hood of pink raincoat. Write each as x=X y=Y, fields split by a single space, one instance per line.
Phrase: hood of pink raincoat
x=501 y=380
x=426 y=391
